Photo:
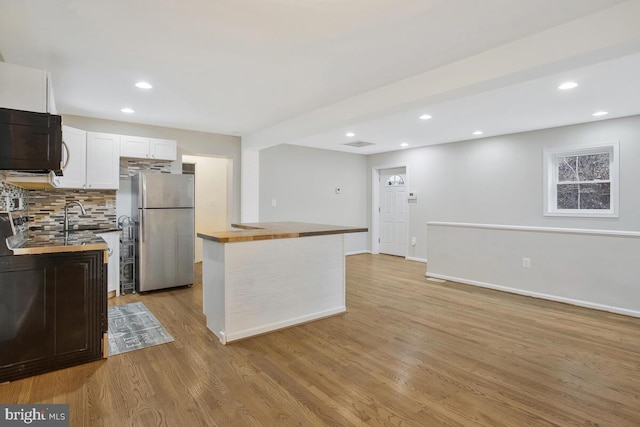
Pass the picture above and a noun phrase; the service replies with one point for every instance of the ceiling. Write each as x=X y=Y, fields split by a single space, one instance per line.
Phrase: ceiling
x=308 y=71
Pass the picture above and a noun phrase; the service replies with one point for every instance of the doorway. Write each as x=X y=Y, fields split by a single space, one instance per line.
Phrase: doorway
x=211 y=194
x=392 y=221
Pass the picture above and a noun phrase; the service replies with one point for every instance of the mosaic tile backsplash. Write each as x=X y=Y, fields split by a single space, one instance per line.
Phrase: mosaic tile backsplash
x=10 y=196
x=130 y=167
x=46 y=208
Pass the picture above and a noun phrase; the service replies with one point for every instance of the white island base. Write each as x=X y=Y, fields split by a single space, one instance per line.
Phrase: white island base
x=253 y=287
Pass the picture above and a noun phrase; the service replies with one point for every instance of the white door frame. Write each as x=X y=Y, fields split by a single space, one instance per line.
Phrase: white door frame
x=375 y=204
x=229 y=187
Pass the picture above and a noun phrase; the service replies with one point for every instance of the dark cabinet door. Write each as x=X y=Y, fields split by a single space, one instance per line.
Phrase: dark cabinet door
x=26 y=327
x=52 y=312
x=72 y=296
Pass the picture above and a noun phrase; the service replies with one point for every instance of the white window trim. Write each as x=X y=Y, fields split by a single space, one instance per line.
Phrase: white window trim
x=551 y=156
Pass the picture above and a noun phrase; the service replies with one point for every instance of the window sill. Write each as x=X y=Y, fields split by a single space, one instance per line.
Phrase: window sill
x=579 y=214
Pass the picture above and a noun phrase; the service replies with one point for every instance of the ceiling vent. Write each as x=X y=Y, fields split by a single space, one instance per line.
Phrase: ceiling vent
x=359 y=144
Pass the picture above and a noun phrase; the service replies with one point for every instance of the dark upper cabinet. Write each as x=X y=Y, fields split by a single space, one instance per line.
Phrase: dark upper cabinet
x=30 y=141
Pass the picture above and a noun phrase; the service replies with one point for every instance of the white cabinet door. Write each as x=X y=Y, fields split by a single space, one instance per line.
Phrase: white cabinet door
x=113 y=269
x=103 y=161
x=134 y=146
x=163 y=149
x=74 y=158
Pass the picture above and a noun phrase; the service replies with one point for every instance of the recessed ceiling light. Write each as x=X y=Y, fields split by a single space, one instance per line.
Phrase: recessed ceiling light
x=568 y=85
x=425 y=117
x=404 y=144
x=600 y=113
x=478 y=132
x=349 y=134
x=127 y=110
x=143 y=85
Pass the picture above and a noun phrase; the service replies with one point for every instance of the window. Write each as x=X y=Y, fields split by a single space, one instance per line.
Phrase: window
x=395 y=180
x=582 y=181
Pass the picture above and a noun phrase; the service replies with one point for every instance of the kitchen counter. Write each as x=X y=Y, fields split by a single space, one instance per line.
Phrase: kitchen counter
x=276 y=230
x=271 y=275
x=46 y=242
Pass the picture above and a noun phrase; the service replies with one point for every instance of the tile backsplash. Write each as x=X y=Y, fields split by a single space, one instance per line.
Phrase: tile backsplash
x=10 y=197
x=129 y=167
x=46 y=208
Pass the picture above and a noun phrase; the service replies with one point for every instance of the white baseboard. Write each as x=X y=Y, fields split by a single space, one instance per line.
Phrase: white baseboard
x=234 y=336
x=422 y=260
x=357 y=252
x=580 y=303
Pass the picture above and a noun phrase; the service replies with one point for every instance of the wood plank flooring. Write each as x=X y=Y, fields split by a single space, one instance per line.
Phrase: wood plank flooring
x=408 y=352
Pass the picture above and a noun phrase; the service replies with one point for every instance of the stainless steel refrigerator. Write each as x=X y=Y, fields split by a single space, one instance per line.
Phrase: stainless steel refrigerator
x=163 y=209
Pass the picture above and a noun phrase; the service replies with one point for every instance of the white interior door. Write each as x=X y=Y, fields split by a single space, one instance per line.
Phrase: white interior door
x=393 y=212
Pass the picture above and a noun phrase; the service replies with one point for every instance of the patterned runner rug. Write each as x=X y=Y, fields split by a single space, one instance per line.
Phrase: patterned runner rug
x=132 y=327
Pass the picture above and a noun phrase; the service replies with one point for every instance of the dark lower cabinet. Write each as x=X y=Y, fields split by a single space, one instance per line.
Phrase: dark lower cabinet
x=53 y=311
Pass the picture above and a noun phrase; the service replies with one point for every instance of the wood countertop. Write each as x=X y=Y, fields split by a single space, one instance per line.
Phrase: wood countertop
x=276 y=230
x=44 y=242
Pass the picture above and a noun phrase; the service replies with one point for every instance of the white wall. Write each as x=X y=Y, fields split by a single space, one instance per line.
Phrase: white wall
x=189 y=142
x=582 y=267
x=303 y=181
x=499 y=180
x=250 y=196
x=211 y=196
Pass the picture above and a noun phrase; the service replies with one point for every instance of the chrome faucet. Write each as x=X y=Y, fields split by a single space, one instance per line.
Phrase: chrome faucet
x=66 y=213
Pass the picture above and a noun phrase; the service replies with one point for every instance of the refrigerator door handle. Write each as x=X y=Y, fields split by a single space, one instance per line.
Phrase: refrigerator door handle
x=142 y=225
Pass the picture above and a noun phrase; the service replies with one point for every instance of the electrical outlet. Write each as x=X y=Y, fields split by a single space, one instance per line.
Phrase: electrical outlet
x=413 y=241
x=526 y=262
x=273 y=202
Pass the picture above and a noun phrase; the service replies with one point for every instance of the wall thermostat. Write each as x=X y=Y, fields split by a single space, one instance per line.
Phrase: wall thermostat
x=412 y=196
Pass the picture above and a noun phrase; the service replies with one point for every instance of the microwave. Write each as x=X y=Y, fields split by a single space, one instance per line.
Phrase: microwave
x=30 y=141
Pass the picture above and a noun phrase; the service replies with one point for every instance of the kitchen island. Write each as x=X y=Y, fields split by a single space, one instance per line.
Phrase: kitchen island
x=261 y=277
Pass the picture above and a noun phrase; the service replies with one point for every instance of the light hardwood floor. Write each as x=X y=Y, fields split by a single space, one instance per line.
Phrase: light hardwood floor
x=408 y=352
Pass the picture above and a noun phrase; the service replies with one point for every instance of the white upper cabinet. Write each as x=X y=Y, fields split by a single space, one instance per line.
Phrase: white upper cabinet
x=163 y=149
x=103 y=161
x=74 y=158
x=90 y=160
x=134 y=146
x=25 y=88
x=148 y=148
